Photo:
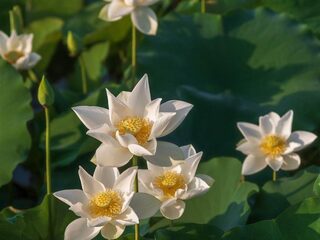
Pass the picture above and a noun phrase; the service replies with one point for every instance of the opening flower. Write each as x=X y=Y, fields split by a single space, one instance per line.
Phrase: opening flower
x=272 y=143
x=132 y=124
x=102 y=205
x=171 y=185
x=142 y=16
x=17 y=50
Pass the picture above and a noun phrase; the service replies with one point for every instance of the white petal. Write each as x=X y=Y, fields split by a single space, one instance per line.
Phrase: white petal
x=147 y=2
x=250 y=131
x=172 y=209
x=117 y=109
x=124 y=97
x=249 y=148
x=145 y=20
x=190 y=166
x=118 y=8
x=188 y=151
x=140 y=97
x=284 y=125
x=127 y=197
x=139 y=150
x=89 y=185
x=303 y=138
x=196 y=187
x=275 y=163
x=125 y=181
x=145 y=179
x=151 y=111
x=164 y=153
x=3 y=42
x=126 y=139
x=112 y=230
x=291 y=147
x=103 y=134
x=207 y=179
x=145 y=205
x=99 y=221
x=160 y=126
x=291 y=162
x=107 y=155
x=92 y=117
x=104 y=14
x=266 y=125
x=79 y=230
x=181 y=109
x=128 y=217
x=253 y=164
x=106 y=175
x=71 y=197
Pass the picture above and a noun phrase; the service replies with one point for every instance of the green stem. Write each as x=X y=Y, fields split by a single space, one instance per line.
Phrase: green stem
x=136 y=189
x=12 y=21
x=134 y=55
x=274 y=176
x=242 y=179
x=203 y=6
x=83 y=75
x=48 y=164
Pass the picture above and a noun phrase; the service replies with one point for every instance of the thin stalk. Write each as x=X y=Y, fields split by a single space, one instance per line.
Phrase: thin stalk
x=274 y=176
x=48 y=164
x=203 y=6
x=133 y=55
x=136 y=189
x=83 y=75
x=12 y=21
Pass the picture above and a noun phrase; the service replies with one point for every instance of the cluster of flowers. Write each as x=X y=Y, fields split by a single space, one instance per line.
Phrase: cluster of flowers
x=129 y=128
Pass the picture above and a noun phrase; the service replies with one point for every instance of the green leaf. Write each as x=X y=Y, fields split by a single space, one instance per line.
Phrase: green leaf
x=189 y=231
x=285 y=192
x=316 y=187
x=45 y=93
x=47 y=34
x=225 y=204
x=297 y=222
x=232 y=68
x=57 y=8
x=15 y=112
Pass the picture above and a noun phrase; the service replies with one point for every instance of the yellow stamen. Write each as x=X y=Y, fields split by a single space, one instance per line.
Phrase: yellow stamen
x=273 y=145
x=13 y=56
x=140 y=128
x=169 y=183
x=108 y=204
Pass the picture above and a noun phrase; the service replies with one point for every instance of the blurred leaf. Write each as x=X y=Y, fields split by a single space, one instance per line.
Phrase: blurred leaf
x=232 y=68
x=15 y=112
x=225 y=204
x=190 y=232
x=91 y=29
x=11 y=227
x=47 y=33
x=307 y=11
x=285 y=192
x=316 y=187
x=57 y=8
x=297 y=222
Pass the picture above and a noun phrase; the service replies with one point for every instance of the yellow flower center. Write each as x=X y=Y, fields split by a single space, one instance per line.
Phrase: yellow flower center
x=108 y=203
x=273 y=145
x=140 y=128
x=169 y=182
x=13 y=56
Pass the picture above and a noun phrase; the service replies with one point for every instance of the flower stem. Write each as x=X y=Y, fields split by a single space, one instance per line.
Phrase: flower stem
x=136 y=189
x=48 y=164
x=242 y=179
x=274 y=176
x=133 y=55
x=12 y=21
x=83 y=75
x=203 y=6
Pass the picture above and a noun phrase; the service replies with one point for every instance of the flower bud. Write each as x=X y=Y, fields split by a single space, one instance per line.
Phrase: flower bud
x=73 y=44
x=45 y=93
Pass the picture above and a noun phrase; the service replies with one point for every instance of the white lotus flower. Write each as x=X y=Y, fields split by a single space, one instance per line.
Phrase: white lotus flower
x=272 y=143
x=171 y=185
x=17 y=50
x=102 y=205
x=132 y=124
x=142 y=16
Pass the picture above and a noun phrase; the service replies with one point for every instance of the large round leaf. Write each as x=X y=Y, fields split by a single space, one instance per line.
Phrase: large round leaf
x=233 y=68
x=15 y=111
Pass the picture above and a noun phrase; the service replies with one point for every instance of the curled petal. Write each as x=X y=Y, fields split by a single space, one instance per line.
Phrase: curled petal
x=78 y=229
x=253 y=164
x=125 y=181
x=284 y=125
x=145 y=20
x=107 y=155
x=250 y=131
x=145 y=205
x=118 y=9
x=303 y=138
x=275 y=163
x=106 y=175
x=90 y=185
x=172 y=209
x=112 y=230
x=104 y=14
x=291 y=162
x=92 y=117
